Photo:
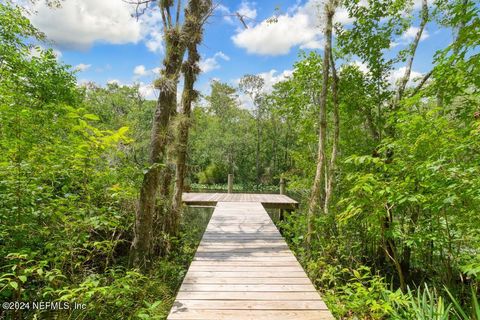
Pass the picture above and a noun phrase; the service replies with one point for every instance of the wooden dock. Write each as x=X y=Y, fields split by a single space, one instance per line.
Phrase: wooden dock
x=243 y=269
x=279 y=201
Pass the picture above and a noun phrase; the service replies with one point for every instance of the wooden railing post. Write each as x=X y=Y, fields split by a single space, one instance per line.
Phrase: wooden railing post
x=230 y=183
x=282 y=191
x=282 y=186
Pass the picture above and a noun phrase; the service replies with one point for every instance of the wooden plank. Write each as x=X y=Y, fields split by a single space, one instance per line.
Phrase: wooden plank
x=246 y=268
x=258 y=296
x=245 y=280
x=246 y=274
x=268 y=200
x=265 y=259
x=247 y=254
x=247 y=287
x=268 y=246
x=239 y=241
x=251 y=314
x=250 y=305
x=244 y=263
x=252 y=251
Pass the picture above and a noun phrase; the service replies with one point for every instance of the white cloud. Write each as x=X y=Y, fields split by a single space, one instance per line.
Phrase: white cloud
x=82 y=67
x=397 y=74
x=247 y=10
x=151 y=25
x=270 y=78
x=411 y=33
x=362 y=66
x=394 y=44
x=80 y=23
x=141 y=71
x=225 y=12
x=417 y=4
x=114 y=81
x=279 y=37
x=147 y=91
x=155 y=42
x=37 y=50
x=341 y=16
x=209 y=64
x=299 y=26
x=83 y=82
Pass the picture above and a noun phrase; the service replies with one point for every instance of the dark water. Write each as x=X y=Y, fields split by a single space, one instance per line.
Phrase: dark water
x=195 y=220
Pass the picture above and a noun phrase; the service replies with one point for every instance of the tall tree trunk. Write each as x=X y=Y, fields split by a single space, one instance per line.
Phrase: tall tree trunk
x=318 y=183
x=404 y=80
x=166 y=106
x=191 y=70
x=336 y=136
x=257 y=150
x=195 y=16
x=142 y=243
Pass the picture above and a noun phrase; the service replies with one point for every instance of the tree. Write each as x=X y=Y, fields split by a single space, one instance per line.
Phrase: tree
x=191 y=70
x=316 y=195
x=336 y=135
x=177 y=36
x=252 y=85
x=216 y=149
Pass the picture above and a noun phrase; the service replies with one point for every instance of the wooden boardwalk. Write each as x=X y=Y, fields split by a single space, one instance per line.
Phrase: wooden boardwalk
x=243 y=269
x=279 y=201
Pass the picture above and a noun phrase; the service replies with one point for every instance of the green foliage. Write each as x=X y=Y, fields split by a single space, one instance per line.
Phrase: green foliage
x=215 y=143
x=463 y=313
x=71 y=162
x=364 y=295
x=404 y=211
x=406 y=197
x=425 y=305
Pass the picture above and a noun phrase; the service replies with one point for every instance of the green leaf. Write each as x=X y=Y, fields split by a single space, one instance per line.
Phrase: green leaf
x=91 y=116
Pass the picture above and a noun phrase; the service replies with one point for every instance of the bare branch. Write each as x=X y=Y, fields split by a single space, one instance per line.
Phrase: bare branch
x=403 y=82
x=177 y=18
x=240 y=17
x=422 y=83
x=139 y=11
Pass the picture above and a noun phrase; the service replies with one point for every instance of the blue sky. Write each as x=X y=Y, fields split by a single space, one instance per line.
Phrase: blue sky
x=103 y=41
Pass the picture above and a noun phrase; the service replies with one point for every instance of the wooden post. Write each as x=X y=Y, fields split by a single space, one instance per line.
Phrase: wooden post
x=282 y=186
x=282 y=191
x=230 y=183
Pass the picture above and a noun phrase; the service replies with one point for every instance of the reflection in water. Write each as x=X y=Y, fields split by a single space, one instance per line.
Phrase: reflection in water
x=195 y=221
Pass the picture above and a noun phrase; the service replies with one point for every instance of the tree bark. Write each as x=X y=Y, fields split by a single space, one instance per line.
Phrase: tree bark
x=142 y=243
x=336 y=136
x=176 y=45
x=196 y=15
x=403 y=82
x=315 y=201
x=191 y=71
x=257 y=150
